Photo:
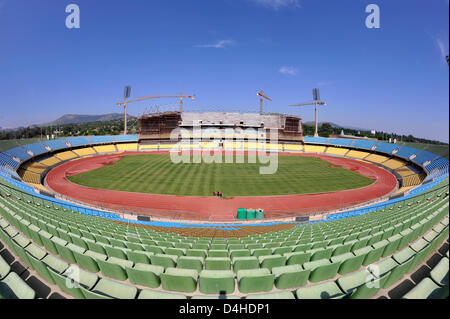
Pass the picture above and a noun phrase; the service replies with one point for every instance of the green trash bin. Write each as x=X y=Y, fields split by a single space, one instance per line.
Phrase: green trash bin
x=260 y=214
x=242 y=213
x=251 y=214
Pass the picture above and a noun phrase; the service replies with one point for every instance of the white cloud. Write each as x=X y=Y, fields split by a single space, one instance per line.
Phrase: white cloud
x=442 y=47
x=278 y=4
x=288 y=70
x=222 y=44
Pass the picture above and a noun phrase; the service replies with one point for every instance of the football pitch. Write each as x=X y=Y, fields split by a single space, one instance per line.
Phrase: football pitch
x=156 y=174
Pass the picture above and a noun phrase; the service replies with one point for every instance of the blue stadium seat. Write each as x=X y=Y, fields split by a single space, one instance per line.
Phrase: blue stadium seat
x=36 y=148
x=341 y=141
x=367 y=145
x=20 y=153
x=126 y=138
x=101 y=139
x=78 y=141
x=387 y=148
x=406 y=152
x=56 y=144
x=316 y=140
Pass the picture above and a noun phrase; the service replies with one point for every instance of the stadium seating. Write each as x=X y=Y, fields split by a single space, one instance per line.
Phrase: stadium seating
x=6 y=159
x=127 y=147
x=36 y=148
x=56 y=145
x=126 y=138
x=20 y=153
x=386 y=148
x=424 y=157
x=50 y=161
x=340 y=141
x=315 y=140
x=65 y=156
x=337 y=151
x=357 y=154
x=85 y=151
x=314 y=149
x=376 y=158
x=391 y=242
x=368 y=145
x=406 y=152
x=101 y=139
x=105 y=149
x=78 y=141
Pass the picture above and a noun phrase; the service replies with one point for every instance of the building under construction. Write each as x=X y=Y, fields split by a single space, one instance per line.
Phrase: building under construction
x=157 y=127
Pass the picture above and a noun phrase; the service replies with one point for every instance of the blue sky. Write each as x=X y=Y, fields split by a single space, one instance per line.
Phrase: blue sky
x=393 y=79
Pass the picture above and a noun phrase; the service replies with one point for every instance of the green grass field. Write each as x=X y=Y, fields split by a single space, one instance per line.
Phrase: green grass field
x=156 y=174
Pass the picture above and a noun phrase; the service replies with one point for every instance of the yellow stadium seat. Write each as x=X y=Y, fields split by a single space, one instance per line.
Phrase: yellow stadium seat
x=314 y=149
x=105 y=149
x=394 y=163
x=337 y=151
x=85 y=151
x=357 y=154
x=295 y=148
x=64 y=156
x=376 y=158
x=127 y=147
x=50 y=161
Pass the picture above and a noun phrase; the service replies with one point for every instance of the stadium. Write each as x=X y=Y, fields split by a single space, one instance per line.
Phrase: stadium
x=77 y=202
x=214 y=198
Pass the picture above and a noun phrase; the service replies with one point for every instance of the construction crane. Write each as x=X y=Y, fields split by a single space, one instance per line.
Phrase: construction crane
x=316 y=102
x=261 y=94
x=143 y=98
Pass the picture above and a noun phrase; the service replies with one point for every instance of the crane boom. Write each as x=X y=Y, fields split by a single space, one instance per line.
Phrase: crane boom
x=143 y=98
x=261 y=94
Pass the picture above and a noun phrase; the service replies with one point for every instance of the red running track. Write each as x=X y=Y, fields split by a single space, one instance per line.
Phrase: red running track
x=212 y=208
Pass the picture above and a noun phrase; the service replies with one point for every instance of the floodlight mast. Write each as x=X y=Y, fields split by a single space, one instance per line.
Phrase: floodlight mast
x=316 y=96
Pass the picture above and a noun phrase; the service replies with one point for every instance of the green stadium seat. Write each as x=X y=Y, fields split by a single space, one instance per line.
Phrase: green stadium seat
x=109 y=289
x=190 y=262
x=180 y=280
x=349 y=262
x=326 y=290
x=72 y=279
x=114 y=267
x=439 y=274
x=272 y=261
x=297 y=258
x=273 y=296
x=88 y=260
x=255 y=280
x=197 y=253
x=261 y=252
x=217 y=282
x=139 y=257
x=349 y=283
x=4 y=268
x=145 y=275
x=239 y=253
x=291 y=276
x=13 y=287
x=166 y=261
x=176 y=251
x=427 y=289
x=244 y=263
x=217 y=263
x=151 y=294
x=217 y=253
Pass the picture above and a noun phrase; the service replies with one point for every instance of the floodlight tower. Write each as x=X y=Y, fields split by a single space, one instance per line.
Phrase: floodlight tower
x=316 y=97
